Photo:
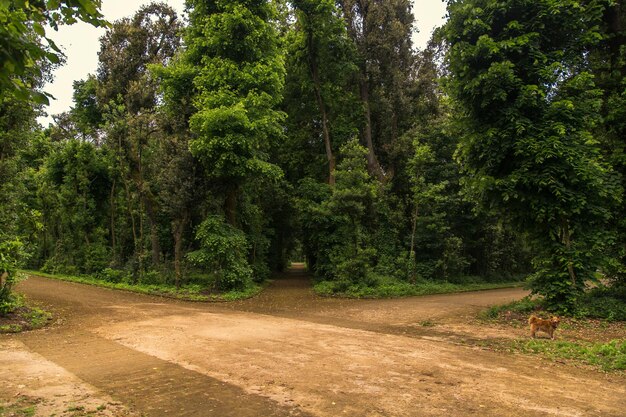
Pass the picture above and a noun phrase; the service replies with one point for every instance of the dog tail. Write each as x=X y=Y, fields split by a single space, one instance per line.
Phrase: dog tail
x=532 y=319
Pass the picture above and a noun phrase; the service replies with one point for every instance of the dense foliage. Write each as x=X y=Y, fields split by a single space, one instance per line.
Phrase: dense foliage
x=25 y=50
x=529 y=105
x=213 y=153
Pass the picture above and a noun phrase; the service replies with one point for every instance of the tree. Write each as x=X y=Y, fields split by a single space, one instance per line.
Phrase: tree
x=338 y=222
x=527 y=104
x=73 y=191
x=181 y=189
x=323 y=57
x=151 y=36
x=87 y=113
x=381 y=31
x=20 y=221
x=223 y=251
x=233 y=49
x=126 y=87
x=23 y=54
x=608 y=62
x=352 y=203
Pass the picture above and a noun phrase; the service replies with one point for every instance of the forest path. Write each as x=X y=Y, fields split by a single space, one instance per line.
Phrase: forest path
x=288 y=352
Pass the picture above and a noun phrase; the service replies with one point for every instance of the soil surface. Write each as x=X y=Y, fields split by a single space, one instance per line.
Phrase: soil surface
x=285 y=352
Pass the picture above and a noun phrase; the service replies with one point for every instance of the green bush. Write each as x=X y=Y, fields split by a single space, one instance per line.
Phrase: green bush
x=607 y=303
x=153 y=277
x=111 y=275
x=223 y=251
x=97 y=257
x=7 y=305
x=524 y=306
x=56 y=265
x=386 y=287
x=356 y=268
x=11 y=250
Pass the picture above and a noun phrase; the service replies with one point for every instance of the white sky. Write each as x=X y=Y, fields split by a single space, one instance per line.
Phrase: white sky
x=80 y=43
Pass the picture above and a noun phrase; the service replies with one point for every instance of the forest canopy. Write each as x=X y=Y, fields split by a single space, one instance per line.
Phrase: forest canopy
x=215 y=150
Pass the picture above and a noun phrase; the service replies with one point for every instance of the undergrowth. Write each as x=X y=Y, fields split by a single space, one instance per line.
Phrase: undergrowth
x=522 y=307
x=593 y=332
x=392 y=288
x=20 y=316
x=610 y=356
x=603 y=302
x=606 y=303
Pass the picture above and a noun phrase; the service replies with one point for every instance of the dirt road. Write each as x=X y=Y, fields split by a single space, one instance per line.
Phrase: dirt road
x=288 y=353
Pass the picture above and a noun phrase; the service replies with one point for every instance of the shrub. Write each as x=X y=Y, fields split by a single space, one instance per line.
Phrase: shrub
x=607 y=303
x=223 y=250
x=97 y=257
x=153 y=277
x=524 y=306
x=10 y=253
x=356 y=268
x=111 y=275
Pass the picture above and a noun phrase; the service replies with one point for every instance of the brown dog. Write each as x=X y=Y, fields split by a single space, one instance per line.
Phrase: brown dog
x=548 y=326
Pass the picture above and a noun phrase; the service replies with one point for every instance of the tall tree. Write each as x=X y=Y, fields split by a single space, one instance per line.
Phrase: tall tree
x=527 y=105
x=608 y=62
x=150 y=37
x=322 y=52
x=179 y=179
x=234 y=52
x=381 y=31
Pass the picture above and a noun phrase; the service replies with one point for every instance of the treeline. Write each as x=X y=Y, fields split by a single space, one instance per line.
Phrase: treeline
x=266 y=130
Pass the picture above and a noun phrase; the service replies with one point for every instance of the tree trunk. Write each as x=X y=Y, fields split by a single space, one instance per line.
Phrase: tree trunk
x=613 y=17
x=154 y=230
x=112 y=221
x=230 y=207
x=567 y=241
x=372 y=161
x=412 y=251
x=313 y=65
x=358 y=30
x=129 y=207
x=140 y=248
x=178 y=228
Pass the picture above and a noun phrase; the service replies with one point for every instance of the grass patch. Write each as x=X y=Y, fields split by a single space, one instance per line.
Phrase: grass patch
x=523 y=307
x=189 y=292
x=610 y=356
x=581 y=339
x=604 y=303
x=24 y=406
x=390 y=288
x=76 y=408
x=22 y=317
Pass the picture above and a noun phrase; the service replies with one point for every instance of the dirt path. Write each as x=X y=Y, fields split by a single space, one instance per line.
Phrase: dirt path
x=288 y=352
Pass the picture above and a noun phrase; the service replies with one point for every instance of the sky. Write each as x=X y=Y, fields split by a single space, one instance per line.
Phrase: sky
x=80 y=43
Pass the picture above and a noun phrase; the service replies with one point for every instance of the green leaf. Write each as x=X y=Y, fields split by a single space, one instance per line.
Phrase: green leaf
x=39 y=30
x=89 y=7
